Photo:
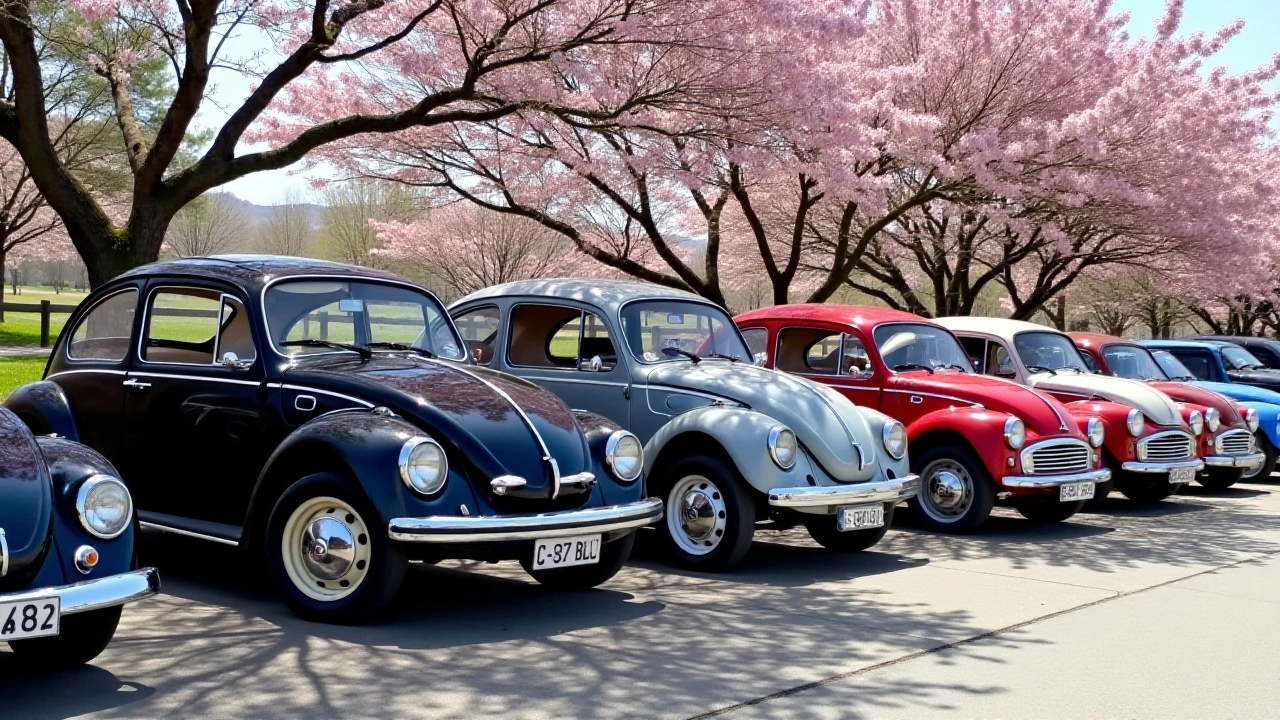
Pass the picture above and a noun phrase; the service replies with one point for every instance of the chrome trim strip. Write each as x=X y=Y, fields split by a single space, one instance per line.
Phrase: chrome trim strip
x=469 y=529
x=1044 y=481
x=966 y=403
x=670 y=388
x=303 y=388
x=546 y=453
x=88 y=371
x=853 y=439
x=1244 y=461
x=176 y=376
x=4 y=554
x=1159 y=467
x=902 y=488
x=179 y=531
x=96 y=594
x=574 y=380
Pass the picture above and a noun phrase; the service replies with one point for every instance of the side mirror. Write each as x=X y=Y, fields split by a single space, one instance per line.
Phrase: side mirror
x=595 y=364
x=231 y=361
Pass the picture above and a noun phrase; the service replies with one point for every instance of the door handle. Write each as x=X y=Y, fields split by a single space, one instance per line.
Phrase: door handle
x=136 y=384
x=916 y=399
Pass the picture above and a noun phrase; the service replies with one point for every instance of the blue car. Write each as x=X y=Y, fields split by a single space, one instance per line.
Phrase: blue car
x=1230 y=370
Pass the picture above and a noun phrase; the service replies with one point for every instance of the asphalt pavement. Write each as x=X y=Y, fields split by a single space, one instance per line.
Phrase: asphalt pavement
x=1168 y=611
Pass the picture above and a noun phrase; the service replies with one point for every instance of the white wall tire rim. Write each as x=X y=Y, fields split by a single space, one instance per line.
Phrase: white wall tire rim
x=946 y=490
x=326 y=570
x=696 y=515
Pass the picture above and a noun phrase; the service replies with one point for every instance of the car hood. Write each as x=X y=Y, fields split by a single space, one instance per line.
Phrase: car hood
x=1042 y=414
x=1155 y=405
x=1263 y=378
x=1240 y=391
x=26 y=501
x=499 y=422
x=1186 y=392
x=825 y=422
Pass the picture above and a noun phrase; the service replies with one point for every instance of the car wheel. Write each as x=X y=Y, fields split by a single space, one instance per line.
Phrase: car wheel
x=1219 y=478
x=329 y=555
x=613 y=555
x=956 y=493
x=1103 y=489
x=1048 y=511
x=1268 y=466
x=822 y=528
x=81 y=638
x=1146 y=487
x=710 y=516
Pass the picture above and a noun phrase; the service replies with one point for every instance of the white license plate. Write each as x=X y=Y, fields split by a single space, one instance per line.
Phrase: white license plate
x=1182 y=475
x=1075 y=491
x=30 y=618
x=566 y=552
x=859 y=517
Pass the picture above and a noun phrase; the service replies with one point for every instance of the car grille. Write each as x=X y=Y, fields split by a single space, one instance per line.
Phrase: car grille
x=1235 y=442
x=1166 y=446
x=1056 y=456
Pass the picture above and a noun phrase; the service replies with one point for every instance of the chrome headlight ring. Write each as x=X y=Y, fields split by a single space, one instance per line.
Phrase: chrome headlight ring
x=104 y=506
x=1196 y=421
x=424 y=466
x=1251 y=419
x=894 y=438
x=1096 y=431
x=1134 y=422
x=624 y=455
x=1212 y=419
x=783 y=447
x=1015 y=433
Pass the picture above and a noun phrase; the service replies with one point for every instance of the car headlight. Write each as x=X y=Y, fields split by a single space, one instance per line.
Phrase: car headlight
x=783 y=447
x=1015 y=433
x=1212 y=419
x=625 y=455
x=1251 y=419
x=894 y=436
x=1135 y=422
x=1196 y=421
x=423 y=465
x=105 y=507
x=1097 y=432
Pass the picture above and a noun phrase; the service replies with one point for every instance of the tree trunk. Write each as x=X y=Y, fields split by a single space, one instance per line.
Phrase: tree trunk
x=2 y=260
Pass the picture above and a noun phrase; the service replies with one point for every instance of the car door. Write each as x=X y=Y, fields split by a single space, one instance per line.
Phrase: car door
x=572 y=352
x=831 y=355
x=193 y=406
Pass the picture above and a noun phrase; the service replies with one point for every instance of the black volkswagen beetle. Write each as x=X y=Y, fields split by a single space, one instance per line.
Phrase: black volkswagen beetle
x=328 y=417
x=66 y=548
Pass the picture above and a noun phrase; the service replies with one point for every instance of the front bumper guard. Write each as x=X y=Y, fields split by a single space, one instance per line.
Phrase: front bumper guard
x=96 y=594
x=1236 y=461
x=504 y=528
x=1143 y=466
x=1049 y=481
x=882 y=491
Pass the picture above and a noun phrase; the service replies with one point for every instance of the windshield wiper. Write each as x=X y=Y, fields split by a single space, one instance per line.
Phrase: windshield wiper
x=674 y=351
x=953 y=366
x=401 y=346
x=722 y=356
x=364 y=352
x=1041 y=368
x=913 y=366
x=1183 y=378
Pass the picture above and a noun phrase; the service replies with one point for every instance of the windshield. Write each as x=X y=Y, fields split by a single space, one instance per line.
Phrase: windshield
x=1237 y=358
x=1041 y=351
x=302 y=315
x=663 y=330
x=907 y=346
x=1135 y=363
x=1172 y=366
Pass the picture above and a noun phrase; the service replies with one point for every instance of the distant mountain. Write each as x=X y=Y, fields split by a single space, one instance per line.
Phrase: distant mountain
x=260 y=213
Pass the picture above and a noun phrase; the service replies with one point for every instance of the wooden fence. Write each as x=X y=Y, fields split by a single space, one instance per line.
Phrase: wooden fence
x=44 y=309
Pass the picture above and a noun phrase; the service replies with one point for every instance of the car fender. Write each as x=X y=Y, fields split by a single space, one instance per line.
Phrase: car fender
x=979 y=429
x=364 y=446
x=70 y=465
x=597 y=429
x=1268 y=419
x=876 y=421
x=44 y=407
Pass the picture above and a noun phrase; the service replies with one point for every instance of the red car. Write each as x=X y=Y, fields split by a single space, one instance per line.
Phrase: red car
x=974 y=440
x=1227 y=446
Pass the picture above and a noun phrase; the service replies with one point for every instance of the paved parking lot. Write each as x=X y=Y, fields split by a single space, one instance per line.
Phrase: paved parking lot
x=1160 y=612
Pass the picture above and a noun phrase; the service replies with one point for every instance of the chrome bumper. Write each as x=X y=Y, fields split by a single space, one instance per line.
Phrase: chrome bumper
x=902 y=488
x=503 y=528
x=1161 y=467
x=1047 y=481
x=95 y=594
x=1244 y=461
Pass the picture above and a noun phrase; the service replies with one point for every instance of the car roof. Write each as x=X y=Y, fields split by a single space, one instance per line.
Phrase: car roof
x=1234 y=338
x=254 y=271
x=1090 y=339
x=608 y=295
x=1003 y=328
x=1185 y=344
x=854 y=315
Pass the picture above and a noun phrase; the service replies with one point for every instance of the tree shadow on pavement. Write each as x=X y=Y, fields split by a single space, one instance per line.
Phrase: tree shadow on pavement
x=25 y=691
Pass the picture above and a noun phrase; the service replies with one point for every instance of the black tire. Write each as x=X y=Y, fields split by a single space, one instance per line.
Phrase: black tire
x=1104 y=489
x=1146 y=487
x=1268 y=466
x=1219 y=478
x=613 y=555
x=1048 y=511
x=822 y=528
x=731 y=540
x=977 y=484
x=382 y=573
x=81 y=638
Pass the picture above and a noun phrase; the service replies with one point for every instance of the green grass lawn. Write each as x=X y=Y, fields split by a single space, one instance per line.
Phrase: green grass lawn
x=24 y=328
x=18 y=371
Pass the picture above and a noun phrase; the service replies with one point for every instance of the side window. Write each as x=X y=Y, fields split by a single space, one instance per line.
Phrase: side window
x=854 y=361
x=823 y=355
x=999 y=363
x=236 y=334
x=552 y=336
x=1089 y=362
x=822 y=352
x=1265 y=354
x=103 y=334
x=758 y=343
x=479 y=329
x=1200 y=364
x=976 y=349
x=182 y=326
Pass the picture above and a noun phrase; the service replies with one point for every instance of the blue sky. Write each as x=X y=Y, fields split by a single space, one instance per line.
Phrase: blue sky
x=1255 y=46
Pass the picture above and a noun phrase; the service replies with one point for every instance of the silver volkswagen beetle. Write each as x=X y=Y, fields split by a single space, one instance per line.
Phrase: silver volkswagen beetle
x=727 y=444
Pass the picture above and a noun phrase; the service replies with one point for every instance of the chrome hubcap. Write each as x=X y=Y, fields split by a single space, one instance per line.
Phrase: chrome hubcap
x=946 y=490
x=697 y=516
x=328 y=548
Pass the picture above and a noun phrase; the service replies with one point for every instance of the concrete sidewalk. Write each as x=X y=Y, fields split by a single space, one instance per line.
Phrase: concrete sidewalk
x=24 y=351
